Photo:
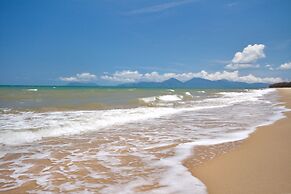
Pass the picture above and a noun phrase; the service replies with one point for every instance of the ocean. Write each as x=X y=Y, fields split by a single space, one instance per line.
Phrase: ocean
x=119 y=140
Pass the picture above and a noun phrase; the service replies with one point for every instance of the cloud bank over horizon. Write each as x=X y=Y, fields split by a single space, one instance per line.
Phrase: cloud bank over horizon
x=127 y=76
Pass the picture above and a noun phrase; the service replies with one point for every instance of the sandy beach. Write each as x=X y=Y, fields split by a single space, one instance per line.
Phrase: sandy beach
x=260 y=165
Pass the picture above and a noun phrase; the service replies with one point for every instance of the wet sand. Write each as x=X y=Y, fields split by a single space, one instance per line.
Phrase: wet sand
x=260 y=165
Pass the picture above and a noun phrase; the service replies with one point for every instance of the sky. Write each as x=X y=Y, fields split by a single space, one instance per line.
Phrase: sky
x=53 y=42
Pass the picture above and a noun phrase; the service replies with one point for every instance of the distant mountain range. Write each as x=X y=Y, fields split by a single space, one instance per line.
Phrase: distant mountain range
x=195 y=83
x=174 y=83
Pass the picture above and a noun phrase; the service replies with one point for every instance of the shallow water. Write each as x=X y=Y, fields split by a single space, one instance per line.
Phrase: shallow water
x=134 y=142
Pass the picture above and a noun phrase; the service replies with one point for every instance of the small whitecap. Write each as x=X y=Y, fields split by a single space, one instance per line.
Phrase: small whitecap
x=32 y=90
x=188 y=94
x=170 y=98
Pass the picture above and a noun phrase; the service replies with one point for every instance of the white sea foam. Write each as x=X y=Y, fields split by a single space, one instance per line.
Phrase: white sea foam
x=148 y=99
x=5 y=110
x=162 y=98
x=28 y=126
x=32 y=90
x=170 y=98
x=188 y=93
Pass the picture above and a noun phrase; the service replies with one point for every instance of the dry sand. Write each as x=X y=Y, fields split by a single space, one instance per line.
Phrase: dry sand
x=260 y=165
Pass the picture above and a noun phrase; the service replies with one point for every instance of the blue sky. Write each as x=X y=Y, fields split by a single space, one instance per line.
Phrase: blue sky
x=114 y=41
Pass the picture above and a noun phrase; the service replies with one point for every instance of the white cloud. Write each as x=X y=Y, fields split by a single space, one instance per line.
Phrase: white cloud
x=285 y=66
x=241 y=66
x=123 y=76
x=82 y=77
x=269 y=67
x=250 y=54
x=248 y=57
x=135 y=76
x=159 y=7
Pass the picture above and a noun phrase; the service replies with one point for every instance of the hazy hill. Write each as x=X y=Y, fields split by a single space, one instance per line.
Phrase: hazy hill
x=195 y=83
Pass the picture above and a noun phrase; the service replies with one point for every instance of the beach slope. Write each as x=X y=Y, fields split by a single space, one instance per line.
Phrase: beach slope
x=261 y=165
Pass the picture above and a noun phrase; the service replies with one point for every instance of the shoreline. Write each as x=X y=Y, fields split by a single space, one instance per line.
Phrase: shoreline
x=260 y=164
